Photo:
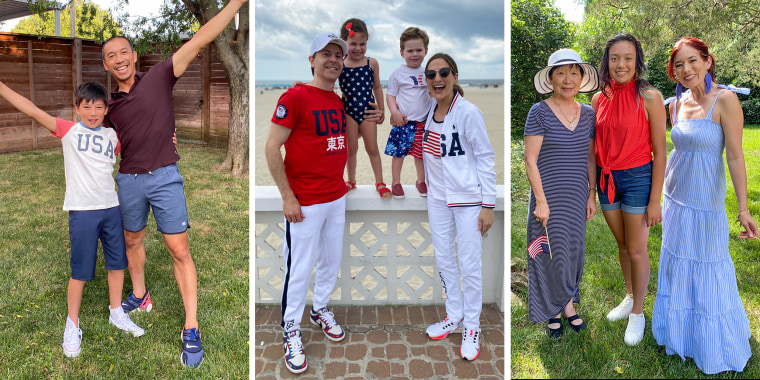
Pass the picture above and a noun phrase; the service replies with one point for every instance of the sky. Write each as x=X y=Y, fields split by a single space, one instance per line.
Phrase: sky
x=471 y=32
x=135 y=8
x=571 y=9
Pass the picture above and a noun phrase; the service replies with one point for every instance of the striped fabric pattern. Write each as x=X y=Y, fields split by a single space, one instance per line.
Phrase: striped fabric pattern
x=432 y=144
x=697 y=311
x=540 y=245
x=563 y=166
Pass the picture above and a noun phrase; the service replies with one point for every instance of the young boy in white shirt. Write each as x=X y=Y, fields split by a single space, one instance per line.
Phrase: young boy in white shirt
x=89 y=153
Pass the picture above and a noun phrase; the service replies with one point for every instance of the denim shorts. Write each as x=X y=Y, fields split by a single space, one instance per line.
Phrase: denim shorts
x=161 y=190
x=85 y=229
x=632 y=187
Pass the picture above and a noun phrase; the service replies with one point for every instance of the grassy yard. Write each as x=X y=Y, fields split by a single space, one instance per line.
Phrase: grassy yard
x=34 y=271
x=600 y=352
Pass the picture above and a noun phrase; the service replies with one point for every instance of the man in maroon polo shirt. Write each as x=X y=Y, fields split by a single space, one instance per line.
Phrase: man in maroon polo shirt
x=141 y=110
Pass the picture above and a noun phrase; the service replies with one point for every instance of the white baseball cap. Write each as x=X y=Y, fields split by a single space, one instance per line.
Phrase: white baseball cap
x=561 y=57
x=321 y=40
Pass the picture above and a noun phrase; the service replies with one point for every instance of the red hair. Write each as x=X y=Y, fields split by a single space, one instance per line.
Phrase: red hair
x=695 y=43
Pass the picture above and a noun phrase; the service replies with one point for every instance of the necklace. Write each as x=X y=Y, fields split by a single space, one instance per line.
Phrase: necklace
x=575 y=114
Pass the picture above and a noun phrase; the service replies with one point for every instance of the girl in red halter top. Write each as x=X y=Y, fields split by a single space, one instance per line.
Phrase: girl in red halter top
x=630 y=158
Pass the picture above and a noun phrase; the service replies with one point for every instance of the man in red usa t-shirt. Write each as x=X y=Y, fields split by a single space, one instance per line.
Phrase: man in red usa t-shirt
x=311 y=123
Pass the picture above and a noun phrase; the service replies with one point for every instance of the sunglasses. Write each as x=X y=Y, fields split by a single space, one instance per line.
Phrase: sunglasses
x=430 y=74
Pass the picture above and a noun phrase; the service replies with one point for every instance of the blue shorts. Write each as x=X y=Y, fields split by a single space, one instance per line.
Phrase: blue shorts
x=163 y=191
x=85 y=228
x=632 y=188
x=401 y=139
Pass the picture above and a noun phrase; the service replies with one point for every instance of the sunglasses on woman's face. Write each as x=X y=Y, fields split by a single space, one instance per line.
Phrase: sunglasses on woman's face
x=430 y=74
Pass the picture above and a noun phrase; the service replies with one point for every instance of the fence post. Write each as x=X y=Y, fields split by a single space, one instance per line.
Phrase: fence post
x=30 y=60
x=206 y=114
x=76 y=65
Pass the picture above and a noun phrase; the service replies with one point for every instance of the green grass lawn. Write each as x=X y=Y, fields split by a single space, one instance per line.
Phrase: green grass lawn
x=600 y=352
x=34 y=272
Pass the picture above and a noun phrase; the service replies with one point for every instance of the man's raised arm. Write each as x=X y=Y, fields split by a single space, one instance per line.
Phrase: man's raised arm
x=185 y=55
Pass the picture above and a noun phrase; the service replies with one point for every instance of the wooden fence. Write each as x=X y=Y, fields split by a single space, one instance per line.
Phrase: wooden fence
x=47 y=69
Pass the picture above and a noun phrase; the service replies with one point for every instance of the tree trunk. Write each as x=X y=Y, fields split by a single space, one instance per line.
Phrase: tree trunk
x=232 y=50
x=238 y=129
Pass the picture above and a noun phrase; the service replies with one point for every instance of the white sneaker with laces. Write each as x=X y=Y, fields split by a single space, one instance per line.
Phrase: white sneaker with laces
x=622 y=310
x=325 y=320
x=72 y=339
x=442 y=329
x=121 y=320
x=295 y=358
x=634 y=333
x=470 y=349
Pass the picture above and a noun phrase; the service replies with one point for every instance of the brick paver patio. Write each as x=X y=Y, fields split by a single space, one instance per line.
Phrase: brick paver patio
x=382 y=342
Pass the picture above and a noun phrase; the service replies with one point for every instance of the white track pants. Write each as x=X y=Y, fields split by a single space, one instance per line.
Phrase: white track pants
x=317 y=239
x=446 y=224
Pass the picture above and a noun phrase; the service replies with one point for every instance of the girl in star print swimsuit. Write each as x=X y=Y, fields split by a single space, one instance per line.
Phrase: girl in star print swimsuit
x=363 y=101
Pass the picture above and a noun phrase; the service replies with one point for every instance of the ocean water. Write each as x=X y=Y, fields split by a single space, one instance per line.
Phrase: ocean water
x=275 y=84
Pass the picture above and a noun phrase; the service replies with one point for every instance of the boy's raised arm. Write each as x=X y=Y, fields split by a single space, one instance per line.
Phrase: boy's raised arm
x=27 y=107
x=185 y=55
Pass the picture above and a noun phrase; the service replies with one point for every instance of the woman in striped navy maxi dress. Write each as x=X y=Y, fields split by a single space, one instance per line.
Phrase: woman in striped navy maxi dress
x=698 y=312
x=559 y=162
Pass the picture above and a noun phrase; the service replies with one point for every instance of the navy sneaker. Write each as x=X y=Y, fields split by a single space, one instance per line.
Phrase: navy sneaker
x=192 y=350
x=134 y=303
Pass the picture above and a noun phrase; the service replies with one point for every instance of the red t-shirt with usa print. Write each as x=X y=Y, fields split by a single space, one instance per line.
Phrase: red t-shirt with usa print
x=315 y=151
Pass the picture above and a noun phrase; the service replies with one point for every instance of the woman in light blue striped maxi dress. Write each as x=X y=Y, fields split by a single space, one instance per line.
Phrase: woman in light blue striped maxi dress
x=698 y=312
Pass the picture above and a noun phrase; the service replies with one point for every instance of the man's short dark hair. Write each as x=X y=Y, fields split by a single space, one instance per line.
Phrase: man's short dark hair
x=103 y=49
x=91 y=91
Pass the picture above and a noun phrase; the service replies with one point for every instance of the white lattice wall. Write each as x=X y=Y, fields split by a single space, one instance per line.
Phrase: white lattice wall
x=387 y=257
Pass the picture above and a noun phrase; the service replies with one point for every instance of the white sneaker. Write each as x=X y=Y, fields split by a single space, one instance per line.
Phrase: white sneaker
x=121 y=320
x=442 y=329
x=325 y=320
x=622 y=310
x=72 y=339
x=295 y=358
x=470 y=349
x=634 y=333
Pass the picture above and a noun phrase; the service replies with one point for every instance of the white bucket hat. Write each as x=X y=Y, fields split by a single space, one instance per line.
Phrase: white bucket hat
x=590 y=81
x=321 y=40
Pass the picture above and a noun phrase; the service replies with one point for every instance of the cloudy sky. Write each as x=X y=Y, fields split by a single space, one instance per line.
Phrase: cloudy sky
x=471 y=32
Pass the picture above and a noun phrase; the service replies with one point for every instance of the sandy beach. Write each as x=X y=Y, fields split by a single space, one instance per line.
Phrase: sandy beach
x=490 y=100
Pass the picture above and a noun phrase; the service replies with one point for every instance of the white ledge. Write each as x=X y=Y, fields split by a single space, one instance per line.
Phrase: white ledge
x=364 y=197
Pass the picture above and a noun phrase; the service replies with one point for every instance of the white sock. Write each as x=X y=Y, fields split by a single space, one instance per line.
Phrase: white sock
x=75 y=325
x=118 y=310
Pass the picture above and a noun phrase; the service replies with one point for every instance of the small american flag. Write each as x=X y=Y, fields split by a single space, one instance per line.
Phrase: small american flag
x=539 y=245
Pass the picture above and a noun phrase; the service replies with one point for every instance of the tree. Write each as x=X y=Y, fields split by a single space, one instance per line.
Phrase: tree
x=538 y=29
x=180 y=17
x=92 y=22
x=729 y=27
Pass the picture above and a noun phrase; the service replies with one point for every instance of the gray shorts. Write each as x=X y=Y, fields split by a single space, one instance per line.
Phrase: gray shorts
x=161 y=190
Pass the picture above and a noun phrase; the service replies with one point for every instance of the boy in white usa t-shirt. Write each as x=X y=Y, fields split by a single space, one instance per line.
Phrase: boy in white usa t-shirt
x=89 y=153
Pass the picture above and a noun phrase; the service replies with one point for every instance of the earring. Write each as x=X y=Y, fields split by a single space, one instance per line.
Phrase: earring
x=708 y=82
x=679 y=90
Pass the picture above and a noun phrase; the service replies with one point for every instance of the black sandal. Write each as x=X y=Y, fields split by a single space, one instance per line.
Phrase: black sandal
x=554 y=333
x=577 y=328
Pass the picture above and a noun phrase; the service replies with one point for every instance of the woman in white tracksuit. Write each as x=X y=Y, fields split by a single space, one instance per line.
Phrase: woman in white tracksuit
x=459 y=171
